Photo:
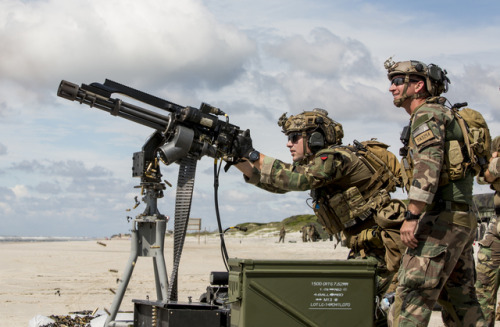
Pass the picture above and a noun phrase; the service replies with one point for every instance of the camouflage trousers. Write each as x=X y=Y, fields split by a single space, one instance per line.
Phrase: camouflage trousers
x=440 y=268
x=487 y=283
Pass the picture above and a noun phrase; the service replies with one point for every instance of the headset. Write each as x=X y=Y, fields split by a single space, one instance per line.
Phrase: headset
x=316 y=142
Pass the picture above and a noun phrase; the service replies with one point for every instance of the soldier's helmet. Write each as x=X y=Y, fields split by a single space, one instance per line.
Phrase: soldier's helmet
x=310 y=121
x=435 y=78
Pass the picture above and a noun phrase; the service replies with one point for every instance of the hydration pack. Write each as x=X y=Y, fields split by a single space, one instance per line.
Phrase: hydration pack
x=384 y=164
x=477 y=137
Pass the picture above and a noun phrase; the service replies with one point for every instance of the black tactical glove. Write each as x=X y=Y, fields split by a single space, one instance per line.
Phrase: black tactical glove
x=242 y=145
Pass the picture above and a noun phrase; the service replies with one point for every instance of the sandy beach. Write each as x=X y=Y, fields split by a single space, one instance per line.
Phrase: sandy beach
x=45 y=278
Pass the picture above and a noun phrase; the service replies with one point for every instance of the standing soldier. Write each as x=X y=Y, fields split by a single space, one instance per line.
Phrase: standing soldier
x=308 y=233
x=488 y=257
x=313 y=233
x=348 y=194
x=304 y=233
x=439 y=227
x=282 y=234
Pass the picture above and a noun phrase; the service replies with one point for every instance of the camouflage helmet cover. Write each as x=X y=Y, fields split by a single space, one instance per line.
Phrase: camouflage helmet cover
x=435 y=78
x=309 y=121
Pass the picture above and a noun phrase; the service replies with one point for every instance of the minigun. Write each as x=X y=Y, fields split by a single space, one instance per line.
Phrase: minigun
x=185 y=131
x=182 y=136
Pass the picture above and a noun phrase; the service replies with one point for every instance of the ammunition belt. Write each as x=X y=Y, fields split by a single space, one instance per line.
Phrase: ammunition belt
x=183 y=197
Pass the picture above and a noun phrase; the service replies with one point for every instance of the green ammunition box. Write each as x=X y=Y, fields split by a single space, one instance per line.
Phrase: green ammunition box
x=301 y=293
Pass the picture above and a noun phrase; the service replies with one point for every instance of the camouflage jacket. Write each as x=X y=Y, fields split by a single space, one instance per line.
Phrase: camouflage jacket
x=432 y=127
x=337 y=168
x=494 y=167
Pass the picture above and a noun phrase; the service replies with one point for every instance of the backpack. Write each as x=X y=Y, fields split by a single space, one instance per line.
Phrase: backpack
x=477 y=137
x=384 y=164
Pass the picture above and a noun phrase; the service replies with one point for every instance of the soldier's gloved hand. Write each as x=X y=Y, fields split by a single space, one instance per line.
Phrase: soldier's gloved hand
x=243 y=145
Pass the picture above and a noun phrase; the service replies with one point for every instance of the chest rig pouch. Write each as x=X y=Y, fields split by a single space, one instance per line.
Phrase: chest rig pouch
x=339 y=211
x=406 y=155
x=453 y=162
x=346 y=209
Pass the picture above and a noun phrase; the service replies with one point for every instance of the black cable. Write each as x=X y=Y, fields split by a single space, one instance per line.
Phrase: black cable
x=225 y=256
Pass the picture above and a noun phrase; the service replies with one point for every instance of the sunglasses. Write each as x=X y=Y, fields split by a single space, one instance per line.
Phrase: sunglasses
x=401 y=80
x=294 y=137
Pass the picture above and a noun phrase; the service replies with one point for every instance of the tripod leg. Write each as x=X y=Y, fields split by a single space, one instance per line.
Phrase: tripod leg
x=160 y=268
x=129 y=268
x=160 y=278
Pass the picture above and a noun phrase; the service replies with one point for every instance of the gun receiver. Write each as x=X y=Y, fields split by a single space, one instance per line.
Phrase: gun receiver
x=185 y=130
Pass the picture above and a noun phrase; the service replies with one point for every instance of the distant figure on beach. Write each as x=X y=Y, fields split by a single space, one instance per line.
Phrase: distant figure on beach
x=312 y=233
x=282 y=235
x=303 y=230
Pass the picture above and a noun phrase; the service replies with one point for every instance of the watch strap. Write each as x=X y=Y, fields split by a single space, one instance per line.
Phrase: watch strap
x=411 y=216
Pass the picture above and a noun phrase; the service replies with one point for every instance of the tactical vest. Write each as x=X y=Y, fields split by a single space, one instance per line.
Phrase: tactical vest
x=353 y=201
x=456 y=158
x=455 y=180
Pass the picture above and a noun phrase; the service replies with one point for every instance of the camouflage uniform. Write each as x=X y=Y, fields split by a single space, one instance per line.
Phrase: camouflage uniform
x=334 y=170
x=441 y=267
x=488 y=256
x=488 y=277
x=304 y=233
x=282 y=235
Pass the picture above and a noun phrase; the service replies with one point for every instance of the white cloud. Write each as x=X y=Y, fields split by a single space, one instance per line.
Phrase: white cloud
x=151 y=40
x=20 y=191
x=6 y=208
x=324 y=54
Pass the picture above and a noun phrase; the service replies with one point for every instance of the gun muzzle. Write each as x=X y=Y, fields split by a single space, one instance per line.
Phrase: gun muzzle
x=68 y=90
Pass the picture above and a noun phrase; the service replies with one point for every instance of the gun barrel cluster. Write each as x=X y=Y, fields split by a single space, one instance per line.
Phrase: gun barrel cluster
x=115 y=107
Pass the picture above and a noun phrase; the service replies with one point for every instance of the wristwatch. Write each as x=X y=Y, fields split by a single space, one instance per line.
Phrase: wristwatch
x=411 y=216
x=254 y=156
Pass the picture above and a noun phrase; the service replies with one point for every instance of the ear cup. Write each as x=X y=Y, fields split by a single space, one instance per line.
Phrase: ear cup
x=316 y=142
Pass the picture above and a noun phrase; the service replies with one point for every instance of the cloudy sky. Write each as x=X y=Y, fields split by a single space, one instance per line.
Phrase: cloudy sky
x=65 y=169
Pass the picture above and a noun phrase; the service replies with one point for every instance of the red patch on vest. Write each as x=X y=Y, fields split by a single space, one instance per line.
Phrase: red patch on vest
x=324 y=158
